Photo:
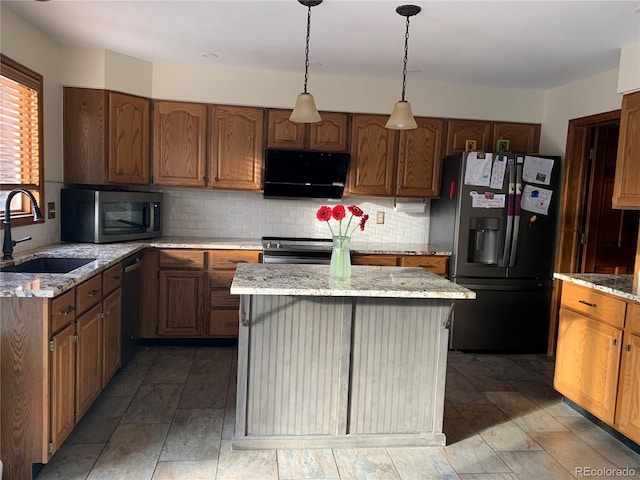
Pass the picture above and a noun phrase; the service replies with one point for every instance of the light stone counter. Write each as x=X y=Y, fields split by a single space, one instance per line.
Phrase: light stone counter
x=398 y=248
x=365 y=281
x=619 y=285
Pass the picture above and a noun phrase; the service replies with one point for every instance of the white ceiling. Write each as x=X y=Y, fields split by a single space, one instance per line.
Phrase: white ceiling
x=519 y=44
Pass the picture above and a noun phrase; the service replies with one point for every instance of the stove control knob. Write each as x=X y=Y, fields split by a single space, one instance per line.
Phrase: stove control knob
x=268 y=244
x=278 y=245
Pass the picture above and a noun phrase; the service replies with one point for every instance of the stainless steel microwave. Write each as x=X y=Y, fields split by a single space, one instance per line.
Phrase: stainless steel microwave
x=105 y=216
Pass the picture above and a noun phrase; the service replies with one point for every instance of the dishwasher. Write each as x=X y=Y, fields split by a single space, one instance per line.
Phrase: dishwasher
x=130 y=306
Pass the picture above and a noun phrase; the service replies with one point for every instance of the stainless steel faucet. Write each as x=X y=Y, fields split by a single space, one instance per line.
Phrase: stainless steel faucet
x=8 y=244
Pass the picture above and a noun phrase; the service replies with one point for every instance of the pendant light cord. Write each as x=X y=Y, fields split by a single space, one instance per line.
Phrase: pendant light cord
x=404 y=68
x=306 y=51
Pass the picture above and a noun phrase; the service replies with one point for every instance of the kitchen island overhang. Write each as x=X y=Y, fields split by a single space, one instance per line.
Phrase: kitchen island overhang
x=341 y=363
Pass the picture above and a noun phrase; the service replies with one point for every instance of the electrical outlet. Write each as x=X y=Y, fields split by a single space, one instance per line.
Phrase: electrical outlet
x=380 y=218
x=51 y=210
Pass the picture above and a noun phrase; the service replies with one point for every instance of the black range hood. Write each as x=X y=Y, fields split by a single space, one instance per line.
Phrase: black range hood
x=302 y=174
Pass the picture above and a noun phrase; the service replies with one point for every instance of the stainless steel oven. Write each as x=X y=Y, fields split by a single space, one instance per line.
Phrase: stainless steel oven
x=104 y=216
x=296 y=250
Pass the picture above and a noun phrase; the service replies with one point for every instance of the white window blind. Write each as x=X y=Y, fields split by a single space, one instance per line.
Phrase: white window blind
x=19 y=142
x=20 y=133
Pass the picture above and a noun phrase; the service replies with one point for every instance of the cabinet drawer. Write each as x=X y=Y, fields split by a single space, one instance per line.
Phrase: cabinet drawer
x=111 y=279
x=375 y=260
x=223 y=323
x=220 y=298
x=221 y=278
x=63 y=310
x=434 y=263
x=88 y=293
x=595 y=305
x=634 y=318
x=193 y=259
x=230 y=258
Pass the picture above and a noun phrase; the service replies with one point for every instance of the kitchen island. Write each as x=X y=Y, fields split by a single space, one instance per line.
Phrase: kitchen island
x=341 y=363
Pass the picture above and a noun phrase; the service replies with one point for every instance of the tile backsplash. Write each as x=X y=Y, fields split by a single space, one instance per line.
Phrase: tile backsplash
x=215 y=213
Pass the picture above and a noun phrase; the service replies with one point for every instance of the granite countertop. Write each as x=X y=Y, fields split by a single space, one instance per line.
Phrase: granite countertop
x=106 y=255
x=365 y=281
x=619 y=285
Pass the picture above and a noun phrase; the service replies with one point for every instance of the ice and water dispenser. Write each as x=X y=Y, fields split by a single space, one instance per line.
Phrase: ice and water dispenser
x=483 y=240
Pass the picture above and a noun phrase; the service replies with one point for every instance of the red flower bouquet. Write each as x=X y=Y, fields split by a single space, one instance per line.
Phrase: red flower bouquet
x=339 y=213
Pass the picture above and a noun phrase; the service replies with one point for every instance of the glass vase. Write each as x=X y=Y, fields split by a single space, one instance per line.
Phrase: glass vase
x=340 y=266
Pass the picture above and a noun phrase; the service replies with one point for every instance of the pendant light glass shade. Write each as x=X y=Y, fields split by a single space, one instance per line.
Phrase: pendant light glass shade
x=305 y=110
x=401 y=118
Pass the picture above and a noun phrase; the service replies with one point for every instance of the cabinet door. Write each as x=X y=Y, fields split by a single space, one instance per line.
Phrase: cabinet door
x=128 y=139
x=374 y=260
x=628 y=414
x=62 y=385
x=84 y=127
x=111 y=340
x=626 y=189
x=419 y=159
x=588 y=363
x=179 y=143
x=281 y=133
x=329 y=135
x=373 y=156
x=88 y=360
x=523 y=137
x=236 y=147
x=459 y=131
x=181 y=307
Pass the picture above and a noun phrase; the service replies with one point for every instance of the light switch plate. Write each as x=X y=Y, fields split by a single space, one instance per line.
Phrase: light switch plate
x=380 y=218
x=51 y=210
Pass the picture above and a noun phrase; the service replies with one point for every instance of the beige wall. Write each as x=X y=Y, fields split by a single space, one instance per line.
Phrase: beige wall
x=629 y=72
x=279 y=89
x=27 y=45
x=585 y=97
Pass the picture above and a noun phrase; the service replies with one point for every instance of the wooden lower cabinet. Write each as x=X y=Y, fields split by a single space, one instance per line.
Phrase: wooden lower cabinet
x=437 y=264
x=88 y=360
x=628 y=414
x=63 y=365
x=111 y=339
x=182 y=302
x=598 y=356
x=587 y=363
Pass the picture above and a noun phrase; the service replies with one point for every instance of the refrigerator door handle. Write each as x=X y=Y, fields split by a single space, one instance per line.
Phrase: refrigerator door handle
x=516 y=216
x=506 y=252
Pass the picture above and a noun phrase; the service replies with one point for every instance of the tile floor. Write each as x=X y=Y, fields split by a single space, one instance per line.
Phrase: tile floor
x=169 y=414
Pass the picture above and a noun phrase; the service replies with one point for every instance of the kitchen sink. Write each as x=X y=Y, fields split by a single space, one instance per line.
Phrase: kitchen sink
x=48 y=265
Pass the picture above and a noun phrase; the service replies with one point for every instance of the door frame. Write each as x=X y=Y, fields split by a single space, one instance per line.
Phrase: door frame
x=572 y=204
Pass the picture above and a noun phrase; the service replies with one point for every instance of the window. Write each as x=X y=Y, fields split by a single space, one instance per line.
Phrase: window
x=20 y=138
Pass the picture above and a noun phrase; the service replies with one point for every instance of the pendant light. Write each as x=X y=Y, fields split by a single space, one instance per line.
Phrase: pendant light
x=305 y=110
x=401 y=117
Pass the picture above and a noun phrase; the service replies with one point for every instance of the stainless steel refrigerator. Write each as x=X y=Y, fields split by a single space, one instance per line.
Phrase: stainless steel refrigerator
x=497 y=214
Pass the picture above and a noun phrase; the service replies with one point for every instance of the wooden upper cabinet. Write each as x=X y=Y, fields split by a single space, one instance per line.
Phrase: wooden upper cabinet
x=179 y=143
x=329 y=135
x=419 y=159
x=129 y=123
x=523 y=137
x=460 y=131
x=236 y=147
x=84 y=141
x=626 y=190
x=373 y=156
x=281 y=133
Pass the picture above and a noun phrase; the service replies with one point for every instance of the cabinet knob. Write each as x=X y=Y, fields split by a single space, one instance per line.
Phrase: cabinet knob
x=584 y=302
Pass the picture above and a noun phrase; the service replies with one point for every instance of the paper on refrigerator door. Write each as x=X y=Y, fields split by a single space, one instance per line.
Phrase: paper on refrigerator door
x=537 y=170
x=487 y=200
x=536 y=199
x=497 y=172
x=478 y=169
